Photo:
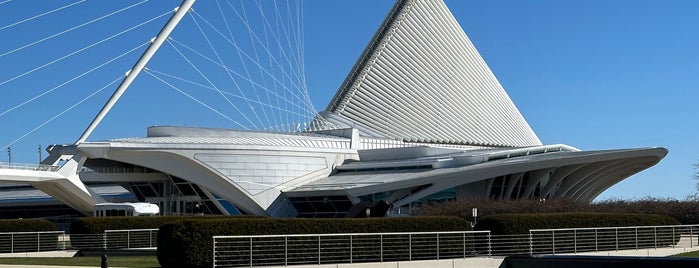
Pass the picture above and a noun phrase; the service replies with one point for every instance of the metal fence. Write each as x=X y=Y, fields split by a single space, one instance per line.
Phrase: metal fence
x=261 y=250
x=28 y=166
x=264 y=250
x=16 y=242
x=116 y=239
x=268 y=250
x=130 y=239
x=558 y=241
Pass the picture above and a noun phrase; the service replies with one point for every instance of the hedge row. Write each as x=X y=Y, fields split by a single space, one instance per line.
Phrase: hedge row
x=188 y=243
x=521 y=223
x=89 y=233
x=26 y=225
x=97 y=225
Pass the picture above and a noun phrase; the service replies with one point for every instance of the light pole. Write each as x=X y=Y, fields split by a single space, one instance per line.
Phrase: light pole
x=39 y=151
x=474 y=217
x=9 y=155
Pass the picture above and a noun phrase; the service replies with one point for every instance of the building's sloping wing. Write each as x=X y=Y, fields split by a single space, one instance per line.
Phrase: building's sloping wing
x=421 y=79
x=575 y=175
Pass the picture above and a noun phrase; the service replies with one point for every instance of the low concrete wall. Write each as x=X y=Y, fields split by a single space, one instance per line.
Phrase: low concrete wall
x=451 y=263
x=57 y=253
x=598 y=261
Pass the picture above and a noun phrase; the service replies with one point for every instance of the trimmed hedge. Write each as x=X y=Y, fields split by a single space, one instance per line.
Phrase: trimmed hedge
x=189 y=243
x=97 y=225
x=506 y=224
x=88 y=233
x=26 y=225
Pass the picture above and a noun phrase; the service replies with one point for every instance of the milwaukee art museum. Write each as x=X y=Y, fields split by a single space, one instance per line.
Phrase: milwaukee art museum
x=419 y=118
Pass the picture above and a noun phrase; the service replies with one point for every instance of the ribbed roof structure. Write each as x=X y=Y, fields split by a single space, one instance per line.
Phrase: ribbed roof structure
x=421 y=79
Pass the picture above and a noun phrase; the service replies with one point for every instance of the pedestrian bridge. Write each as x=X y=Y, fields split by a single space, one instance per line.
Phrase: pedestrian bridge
x=63 y=183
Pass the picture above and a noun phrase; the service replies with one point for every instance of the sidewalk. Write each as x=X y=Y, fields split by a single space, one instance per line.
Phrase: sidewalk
x=43 y=266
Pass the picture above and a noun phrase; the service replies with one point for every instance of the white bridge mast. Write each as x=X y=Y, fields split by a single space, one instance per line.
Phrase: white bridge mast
x=138 y=67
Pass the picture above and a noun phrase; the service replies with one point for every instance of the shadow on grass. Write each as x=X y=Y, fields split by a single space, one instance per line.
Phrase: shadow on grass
x=116 y=261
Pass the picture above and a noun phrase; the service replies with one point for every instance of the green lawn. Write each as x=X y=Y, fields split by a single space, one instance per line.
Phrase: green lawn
x=694 y=254
x=116 y=261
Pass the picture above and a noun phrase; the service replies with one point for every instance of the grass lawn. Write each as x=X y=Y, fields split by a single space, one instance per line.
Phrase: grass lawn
x=694 y=254
x=116 y=261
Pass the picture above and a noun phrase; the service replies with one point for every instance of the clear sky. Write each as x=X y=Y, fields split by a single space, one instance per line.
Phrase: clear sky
x=590 y=74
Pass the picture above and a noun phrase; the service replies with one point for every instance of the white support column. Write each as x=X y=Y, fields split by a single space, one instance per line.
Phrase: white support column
x=138 y=67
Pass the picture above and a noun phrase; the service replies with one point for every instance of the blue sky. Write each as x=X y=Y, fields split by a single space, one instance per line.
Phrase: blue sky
x=590 y=74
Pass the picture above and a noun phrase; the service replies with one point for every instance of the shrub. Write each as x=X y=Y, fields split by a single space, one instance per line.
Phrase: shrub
x=188 y=243
x=89 y=232
x=685 y=210
x=97 y=225
x=26 y=225
x=521 y=223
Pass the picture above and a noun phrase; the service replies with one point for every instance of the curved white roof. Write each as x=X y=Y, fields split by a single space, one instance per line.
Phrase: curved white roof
x=422 y=80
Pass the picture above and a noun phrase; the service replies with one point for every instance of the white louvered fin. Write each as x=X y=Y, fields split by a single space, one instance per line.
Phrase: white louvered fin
x=421 y=79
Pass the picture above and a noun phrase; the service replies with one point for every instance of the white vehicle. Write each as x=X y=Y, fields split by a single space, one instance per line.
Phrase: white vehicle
x=126 y=209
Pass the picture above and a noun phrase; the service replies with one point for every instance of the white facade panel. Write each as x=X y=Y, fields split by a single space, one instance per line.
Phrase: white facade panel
x=256 y=173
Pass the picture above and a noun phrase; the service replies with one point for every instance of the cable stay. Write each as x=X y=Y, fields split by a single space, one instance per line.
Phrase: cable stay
x=72 y=79
x=210 y=83
x=37 y=16
x=241 y=76
x=197 y=100
x=223 y=65
x=161 y=77
x=62 y=113
x=81 y=50
x=241 y=61
x=70 y=29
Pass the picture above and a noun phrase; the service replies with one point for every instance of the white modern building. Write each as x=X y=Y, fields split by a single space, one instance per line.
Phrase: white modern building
x=420 y=117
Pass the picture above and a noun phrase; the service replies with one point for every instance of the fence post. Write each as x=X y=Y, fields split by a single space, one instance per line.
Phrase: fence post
x=673 y=237
x=490 y=245
x=410 y=247
x=38 y=242
x=636 y=234
x=596 y=240
x=128 y=239
x=616 y=238
x=104 y=240
x=437 y=246
x=575 y=241
x=655 y=237
x=250 y=247
x=691 y=238
x=531 y=243
x=286 y=250
x=464 y=243
x=213 y=258
x=319 y=250
x=12 y=243
x=351 y=249
x=381 y=247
